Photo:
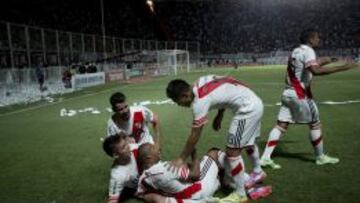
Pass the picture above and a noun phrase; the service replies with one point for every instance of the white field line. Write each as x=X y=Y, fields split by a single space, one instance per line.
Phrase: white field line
x=140 y=88
x=57 y=102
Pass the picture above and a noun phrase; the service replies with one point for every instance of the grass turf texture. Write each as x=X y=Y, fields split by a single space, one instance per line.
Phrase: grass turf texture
x=48 y=158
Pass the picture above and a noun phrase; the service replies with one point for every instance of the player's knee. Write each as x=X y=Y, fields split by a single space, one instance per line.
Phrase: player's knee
x=232 y=152
x=282 y=126
x=315 y=125
x=213 y=153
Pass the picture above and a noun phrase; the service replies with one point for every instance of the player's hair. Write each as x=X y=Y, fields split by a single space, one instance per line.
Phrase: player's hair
x=175 y=88
x=306 y=35
x=116 y=98
x=143 y=152
x=110 y=142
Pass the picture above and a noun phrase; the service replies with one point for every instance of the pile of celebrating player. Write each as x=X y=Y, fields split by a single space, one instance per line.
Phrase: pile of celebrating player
x=138 y=170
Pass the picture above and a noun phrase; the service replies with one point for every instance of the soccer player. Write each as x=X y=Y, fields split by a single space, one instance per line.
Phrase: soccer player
x=132 y=120
x=124 y=172
x=196 y=183
x=297 y=104
x=217 y=92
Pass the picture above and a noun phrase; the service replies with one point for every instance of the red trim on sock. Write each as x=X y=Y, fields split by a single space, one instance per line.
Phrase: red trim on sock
x=317 y=141
x=237 y=169
x=272 y=143
x=250 y=151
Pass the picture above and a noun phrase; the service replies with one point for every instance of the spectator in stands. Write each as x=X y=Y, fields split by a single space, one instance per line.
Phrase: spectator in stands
x=40 y=74
x=66 y=78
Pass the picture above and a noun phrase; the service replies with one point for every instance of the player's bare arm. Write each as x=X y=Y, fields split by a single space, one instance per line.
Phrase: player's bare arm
x=188 y=148
x=320 y=70
x=156 y=128
x=194 y=167
x=325 y=61
x=191 y=142
x=218 y=119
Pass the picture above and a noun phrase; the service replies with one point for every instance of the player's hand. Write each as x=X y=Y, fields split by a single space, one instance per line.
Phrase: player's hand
x=217 y=123
x=325 y=60
x=175 y=165
x=193 y=154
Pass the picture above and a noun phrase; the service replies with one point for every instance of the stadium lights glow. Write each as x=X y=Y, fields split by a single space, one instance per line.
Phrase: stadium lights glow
x=150 y=3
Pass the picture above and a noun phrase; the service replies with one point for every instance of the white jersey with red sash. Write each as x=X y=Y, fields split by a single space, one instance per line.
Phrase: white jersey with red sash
x=124 y=175
x=297 y=104
x=158 y=179
x=136 y=126
x=298 y=78
x=219 y=92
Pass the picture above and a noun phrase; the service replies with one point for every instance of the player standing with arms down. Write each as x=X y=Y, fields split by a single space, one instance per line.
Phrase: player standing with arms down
x=298 y=105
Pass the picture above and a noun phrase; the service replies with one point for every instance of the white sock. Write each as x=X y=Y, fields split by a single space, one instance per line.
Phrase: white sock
x=316 y=141
x=253 y=153
x=237 y=169
x=274 y=137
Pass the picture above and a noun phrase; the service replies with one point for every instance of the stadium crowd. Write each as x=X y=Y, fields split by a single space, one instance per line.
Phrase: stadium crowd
x=221 y=26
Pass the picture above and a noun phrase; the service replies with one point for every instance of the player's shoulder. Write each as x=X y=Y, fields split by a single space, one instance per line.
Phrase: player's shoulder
x=139 y=108
x=119 y=172
x=136 y=108
x=134 y=146
x=110 y=121
x=307 y=48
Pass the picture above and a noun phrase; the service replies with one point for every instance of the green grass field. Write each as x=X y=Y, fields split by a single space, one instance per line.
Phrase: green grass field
x=48 y=158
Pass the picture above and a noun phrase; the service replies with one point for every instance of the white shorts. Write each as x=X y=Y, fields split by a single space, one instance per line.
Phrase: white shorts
x=245 y=128
x=294 y=110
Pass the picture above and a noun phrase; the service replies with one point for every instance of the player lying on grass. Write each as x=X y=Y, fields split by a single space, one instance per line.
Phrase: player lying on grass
x=194 y=183
x=132 y=120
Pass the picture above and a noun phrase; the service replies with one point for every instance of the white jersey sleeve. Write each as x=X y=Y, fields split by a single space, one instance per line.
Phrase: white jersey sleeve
x=200 y=110
x=310 y=58
x=149 y=115
x=117 y=183
x=112 y=129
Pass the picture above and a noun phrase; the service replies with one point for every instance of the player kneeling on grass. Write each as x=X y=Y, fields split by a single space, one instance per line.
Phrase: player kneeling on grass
x=194 y=183
x=124 y=174
x=124 y=171
x=132 y=120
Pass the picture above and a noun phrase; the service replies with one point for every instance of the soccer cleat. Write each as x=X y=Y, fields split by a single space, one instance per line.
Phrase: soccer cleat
x=213 y=200
x=325 y=159
x=259 y=192
x=254 y=179
x=234 y=198
x=266 y=162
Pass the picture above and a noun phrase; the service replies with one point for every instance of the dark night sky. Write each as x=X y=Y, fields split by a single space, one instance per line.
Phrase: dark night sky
x=77 y=15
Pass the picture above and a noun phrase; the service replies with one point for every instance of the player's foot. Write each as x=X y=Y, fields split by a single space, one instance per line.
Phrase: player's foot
x=325 y=159
x=254 y=179
x=259 y=192
x=234 y=198
x=266 y=162
x=213 y=200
